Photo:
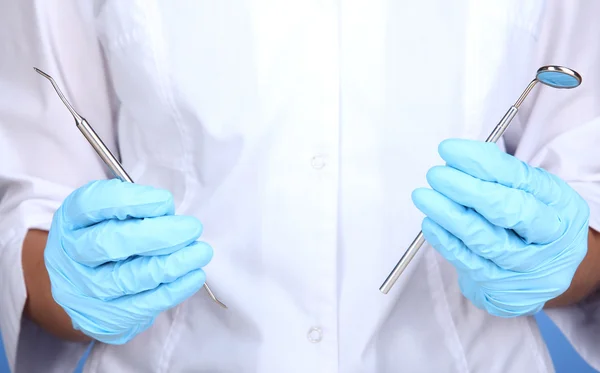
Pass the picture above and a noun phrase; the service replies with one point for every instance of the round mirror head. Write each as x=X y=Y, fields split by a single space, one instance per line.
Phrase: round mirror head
x=558 y=77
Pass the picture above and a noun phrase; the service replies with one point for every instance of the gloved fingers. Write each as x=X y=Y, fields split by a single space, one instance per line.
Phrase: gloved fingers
x=454 y=250
x=115 y=240
x=110 y=323
x=466 y=224
x=501 y=246
x=142 y=273
x=473 y=230
x=164 y=297
x=117 y=321
x=503 y=206
x=487 y=162
x=114 y=199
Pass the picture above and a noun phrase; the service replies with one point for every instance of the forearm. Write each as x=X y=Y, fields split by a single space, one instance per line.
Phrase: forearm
x=587 y=277
x=40 y=306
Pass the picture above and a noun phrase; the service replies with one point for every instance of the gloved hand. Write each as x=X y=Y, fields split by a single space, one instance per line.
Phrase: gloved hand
x=117 y=256
x=516 y=234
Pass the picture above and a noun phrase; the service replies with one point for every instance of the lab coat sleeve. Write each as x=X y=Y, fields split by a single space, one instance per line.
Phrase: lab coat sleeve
x=43 y=157
x=560 y=132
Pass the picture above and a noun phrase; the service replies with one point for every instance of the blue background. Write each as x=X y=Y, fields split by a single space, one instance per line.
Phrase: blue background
x=565 y=358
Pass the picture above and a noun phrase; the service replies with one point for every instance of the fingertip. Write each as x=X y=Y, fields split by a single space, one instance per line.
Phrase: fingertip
x=421 y=196
x=427 y=224
x=430 y=231
x=203 y=251
x=438 y=237
x=198 y=276
x=98 y=184
x=187 y=284
x=167 y=199
x=141 y=192
x=191 y=282
x=169 y=295
x=161 y=198
x=454 y=150
x=190 y=224
x=418 y=193
x=441 y=240
x=449 y=146
x=208 y=250
x=435 y=174
x=72 y=202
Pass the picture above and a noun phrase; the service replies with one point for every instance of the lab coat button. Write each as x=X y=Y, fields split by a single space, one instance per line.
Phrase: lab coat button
x=318 y=162
x=315 y=335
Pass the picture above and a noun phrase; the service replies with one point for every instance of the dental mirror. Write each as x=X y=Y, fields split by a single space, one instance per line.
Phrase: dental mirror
x=558 y=77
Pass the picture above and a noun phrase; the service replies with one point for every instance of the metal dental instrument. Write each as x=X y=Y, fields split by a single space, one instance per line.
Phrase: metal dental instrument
x=553 y=76
x=104 y=153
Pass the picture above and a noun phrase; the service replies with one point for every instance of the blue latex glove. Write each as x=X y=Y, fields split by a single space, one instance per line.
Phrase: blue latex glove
x=516 y=234
x=117 y=256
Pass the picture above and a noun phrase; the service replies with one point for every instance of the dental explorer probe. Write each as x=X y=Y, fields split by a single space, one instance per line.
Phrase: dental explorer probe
x=553 y=76
x=104 y=153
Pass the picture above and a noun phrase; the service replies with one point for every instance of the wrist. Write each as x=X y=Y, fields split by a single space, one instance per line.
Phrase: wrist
x=40 y=307
x=586 y=280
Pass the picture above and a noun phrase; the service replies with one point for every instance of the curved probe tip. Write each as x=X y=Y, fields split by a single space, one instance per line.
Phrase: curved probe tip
x=78 y=118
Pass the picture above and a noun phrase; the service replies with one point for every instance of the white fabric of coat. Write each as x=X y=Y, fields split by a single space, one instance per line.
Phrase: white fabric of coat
x=295 y=131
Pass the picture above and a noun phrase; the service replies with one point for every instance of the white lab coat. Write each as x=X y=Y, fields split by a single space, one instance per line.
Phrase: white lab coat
x=296 y=131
